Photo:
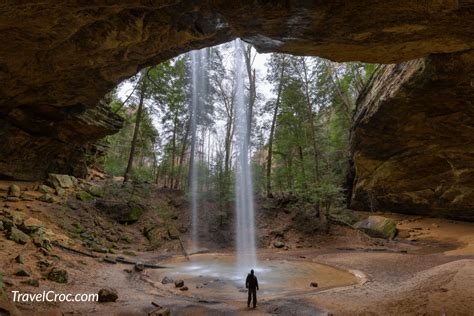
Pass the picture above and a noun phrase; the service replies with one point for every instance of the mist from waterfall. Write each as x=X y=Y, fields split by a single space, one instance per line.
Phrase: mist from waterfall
x=244 y=198
x=200 y=89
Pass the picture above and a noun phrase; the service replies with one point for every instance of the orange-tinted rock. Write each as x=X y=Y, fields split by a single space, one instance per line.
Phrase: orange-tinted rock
x=413 y=138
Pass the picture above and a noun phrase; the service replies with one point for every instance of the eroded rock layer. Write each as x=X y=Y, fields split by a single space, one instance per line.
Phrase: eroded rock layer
x=58 y=58
x=413 y=138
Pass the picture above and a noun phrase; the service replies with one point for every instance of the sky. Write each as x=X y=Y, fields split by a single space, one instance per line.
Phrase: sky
x=264 y=90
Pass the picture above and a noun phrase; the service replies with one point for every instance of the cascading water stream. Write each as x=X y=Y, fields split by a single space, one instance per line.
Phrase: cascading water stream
x=199 y=93
x=244 y=199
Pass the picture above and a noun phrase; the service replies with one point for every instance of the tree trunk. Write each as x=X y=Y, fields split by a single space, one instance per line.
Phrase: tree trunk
x=272 y=132
x=136 y=130
x=184 y=145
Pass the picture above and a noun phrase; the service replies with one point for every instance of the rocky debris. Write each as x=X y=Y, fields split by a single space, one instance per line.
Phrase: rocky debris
x=179 y=283
x=30 y=195
x=20 y=259
x=129 y=253
x=122 y=212
x=278 y=244
x=32 y=224
x=43 y=188
x=24 y=272
x=18 y=236
x=43 y=265
x=139 y=267
x=313 y=284
x=160 y=311
x=46 y=198
x=60 y=192
x=14 y=191
x=166 y=280
x=84 y=196
x=58 y=275
x=184 y=288
x=31 y=282
x=42 y=242
x=107 y=295
x=100 y=249
x=110 y=260
x=96 y=190
x=378 y=226
x=62 y=181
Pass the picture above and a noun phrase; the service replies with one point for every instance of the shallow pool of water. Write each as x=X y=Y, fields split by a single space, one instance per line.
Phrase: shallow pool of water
x=219 y=276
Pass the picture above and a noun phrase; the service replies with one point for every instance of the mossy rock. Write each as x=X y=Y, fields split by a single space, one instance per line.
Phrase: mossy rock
x=18 y=236
x=45 y=189
x=46 y=198
x=96 y=190
x=84 y=196
x=14 y=191
x=378 y=226
x=57 y=275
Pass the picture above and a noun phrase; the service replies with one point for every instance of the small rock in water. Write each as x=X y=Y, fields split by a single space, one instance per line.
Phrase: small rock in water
x=313 y=284
x=179 y=283
x=166 y=280
x=139 y=266
x=184 y=288
x=107 y=295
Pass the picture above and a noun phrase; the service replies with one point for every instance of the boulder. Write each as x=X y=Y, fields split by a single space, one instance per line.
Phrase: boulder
x=14 y=191
x=378 y=226
x=166 y=280
x=20 y=259
x=184 y=288
x=18 y=236
x=61 y=181
x=32 y=224
x=278 y=244
x=58 y=275
x=139 y=266
x=17 y=218
x=31 y=282
x=107 y=295
x=179 y=283
x=25 y=271
x=30 y=195
x=46 y=198
x=96 y=190
x=313 y=284
x=160 y=311
x=43 y=188
x=84 y=196
x=122 y=212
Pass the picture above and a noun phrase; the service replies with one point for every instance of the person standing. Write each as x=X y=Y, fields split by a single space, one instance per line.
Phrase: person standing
x=251 y=283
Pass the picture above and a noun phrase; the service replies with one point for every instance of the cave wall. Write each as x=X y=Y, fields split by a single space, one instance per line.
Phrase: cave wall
x=412 y=142
x=59 y=58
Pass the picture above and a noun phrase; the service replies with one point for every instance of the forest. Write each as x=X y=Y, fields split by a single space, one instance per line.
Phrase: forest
x=300 y=112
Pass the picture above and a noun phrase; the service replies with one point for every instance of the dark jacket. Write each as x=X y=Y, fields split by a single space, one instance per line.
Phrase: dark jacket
x=251 y=282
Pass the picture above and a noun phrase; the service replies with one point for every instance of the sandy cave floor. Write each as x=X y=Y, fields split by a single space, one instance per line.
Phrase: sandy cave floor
x=432 y=274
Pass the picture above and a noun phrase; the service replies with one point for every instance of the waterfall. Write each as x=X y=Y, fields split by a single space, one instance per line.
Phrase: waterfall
x=244 y=198
x=199 y=63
